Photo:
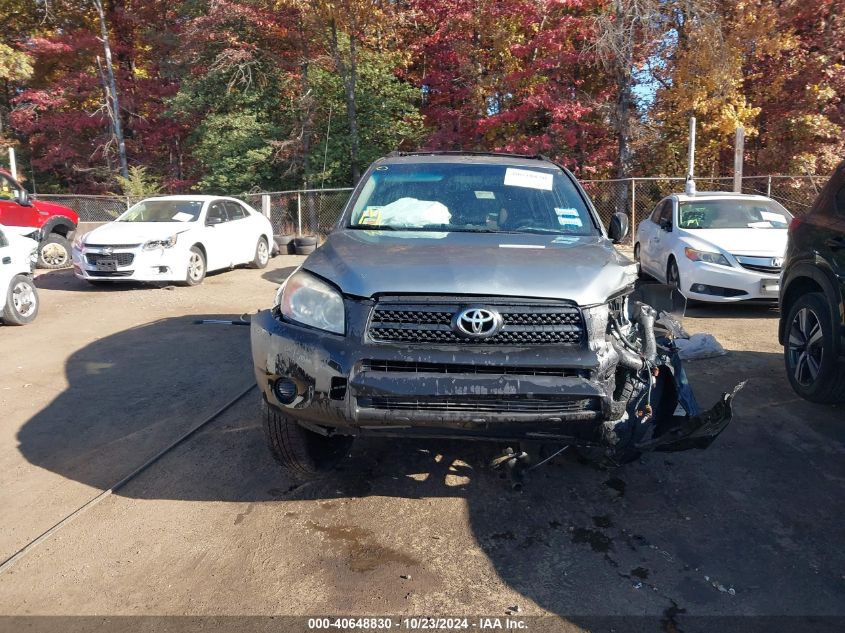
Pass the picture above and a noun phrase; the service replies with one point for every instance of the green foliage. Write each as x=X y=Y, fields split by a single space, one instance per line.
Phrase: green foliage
x=388 y=115
x=139 y=184
x=14 y=65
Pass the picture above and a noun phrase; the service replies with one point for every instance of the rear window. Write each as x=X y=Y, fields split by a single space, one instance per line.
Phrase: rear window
x=471 y=198
x=732 y=214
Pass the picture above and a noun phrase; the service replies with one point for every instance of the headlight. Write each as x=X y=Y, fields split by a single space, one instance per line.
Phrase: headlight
x=310 y=301
x=706 y=257
x=79 y=241
x=168 y=243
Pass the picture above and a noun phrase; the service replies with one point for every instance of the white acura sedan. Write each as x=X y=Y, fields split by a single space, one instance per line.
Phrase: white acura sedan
x=18 y=295
x=718 y=247
x=174 y=238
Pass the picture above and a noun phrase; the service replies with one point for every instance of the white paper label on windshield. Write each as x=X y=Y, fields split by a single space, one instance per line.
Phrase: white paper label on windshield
x=485 y=195
x=568 y=217
x=527 y=178
x=760 y=225
x=776 y=218
x=183 y=217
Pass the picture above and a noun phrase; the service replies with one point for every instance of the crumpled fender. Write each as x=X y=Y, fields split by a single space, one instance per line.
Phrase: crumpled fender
x=666 y=430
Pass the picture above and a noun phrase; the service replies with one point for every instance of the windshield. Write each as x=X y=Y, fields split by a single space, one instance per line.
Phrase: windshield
x=733 y=214
x=471 y=198
x=163 y=211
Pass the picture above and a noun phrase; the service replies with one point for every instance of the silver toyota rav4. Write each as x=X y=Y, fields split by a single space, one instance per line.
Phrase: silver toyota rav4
x=471 y=296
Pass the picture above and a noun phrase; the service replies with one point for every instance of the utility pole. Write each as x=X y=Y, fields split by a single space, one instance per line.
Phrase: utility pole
x=13 y=167
x=689 y=188
x=739 y=149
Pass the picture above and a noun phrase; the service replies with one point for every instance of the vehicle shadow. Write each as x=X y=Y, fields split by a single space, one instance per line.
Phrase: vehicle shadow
x=664 y=534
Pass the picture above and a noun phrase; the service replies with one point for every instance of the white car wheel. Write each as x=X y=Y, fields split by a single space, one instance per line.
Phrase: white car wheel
x=196 y=267
x=21 y=301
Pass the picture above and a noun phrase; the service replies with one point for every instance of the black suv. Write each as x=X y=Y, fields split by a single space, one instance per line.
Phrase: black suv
x=812 y=297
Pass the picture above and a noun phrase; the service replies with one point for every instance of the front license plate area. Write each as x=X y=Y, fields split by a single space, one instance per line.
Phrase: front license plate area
x=770 y=286
x=107 y=265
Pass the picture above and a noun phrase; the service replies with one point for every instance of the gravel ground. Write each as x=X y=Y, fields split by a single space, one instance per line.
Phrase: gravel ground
x=107 y=377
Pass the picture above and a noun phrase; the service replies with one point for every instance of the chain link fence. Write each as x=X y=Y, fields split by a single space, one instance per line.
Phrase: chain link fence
x=316 y=211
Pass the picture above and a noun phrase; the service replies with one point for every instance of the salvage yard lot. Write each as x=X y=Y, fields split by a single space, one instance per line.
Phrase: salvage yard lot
x=108 y=377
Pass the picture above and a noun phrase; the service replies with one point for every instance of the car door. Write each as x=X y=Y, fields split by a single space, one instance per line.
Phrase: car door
x=662 y=239
x=216 y=236
x=241 y=233
x=832 y=248
x=7 y=266
x=651 y=239
x=12 y=213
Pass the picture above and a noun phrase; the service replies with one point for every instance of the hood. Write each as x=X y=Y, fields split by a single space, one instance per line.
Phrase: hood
x=765 y=242
x=586 y=270
x=134 y=232
x=55 y=209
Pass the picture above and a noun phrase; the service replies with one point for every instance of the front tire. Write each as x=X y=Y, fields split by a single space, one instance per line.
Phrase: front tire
x=54 y=252
x=673 y=276
x=303 y=453
x=812 y=364
x=22 y=302
x=196 y=267
x=262 y=254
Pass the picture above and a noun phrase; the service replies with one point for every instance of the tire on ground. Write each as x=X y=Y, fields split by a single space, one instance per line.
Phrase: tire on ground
x=305 y=250
x=57 y=254
x=12 y=314
x=303 y=453
x=195 y=279
x=261 y=259
x=285 y=244
x=829 y=386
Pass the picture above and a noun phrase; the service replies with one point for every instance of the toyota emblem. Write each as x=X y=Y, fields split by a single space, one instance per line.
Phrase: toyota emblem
x=477 y=322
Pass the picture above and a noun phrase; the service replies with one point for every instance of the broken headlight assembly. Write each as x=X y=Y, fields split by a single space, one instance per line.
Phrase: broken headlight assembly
x=310 y=301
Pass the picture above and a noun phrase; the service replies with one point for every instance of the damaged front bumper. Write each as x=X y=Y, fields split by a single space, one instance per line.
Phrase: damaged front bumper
x=334 y=384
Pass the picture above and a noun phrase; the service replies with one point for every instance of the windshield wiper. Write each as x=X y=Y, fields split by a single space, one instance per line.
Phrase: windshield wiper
x=373 y=227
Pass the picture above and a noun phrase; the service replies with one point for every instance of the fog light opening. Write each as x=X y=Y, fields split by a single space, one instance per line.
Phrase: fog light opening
x=285 y=390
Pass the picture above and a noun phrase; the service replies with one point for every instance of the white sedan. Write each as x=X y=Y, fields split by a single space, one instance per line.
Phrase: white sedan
x=174 y=238
x=718 y=247
x=18 y=255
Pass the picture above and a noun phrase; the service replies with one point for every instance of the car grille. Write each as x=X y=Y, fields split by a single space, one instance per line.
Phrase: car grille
x=523 y=323
x=109 y=273
x=484 y=404
x=120 y=246
x=758 y=264
x=122 y=259
x=394 y=366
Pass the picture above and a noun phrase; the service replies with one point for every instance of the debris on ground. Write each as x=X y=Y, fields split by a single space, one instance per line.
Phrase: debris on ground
x=699 y=346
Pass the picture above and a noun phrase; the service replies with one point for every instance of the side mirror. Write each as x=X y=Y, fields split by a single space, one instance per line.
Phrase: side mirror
x=213 y=221
x=666 y=226
x=618 y=227
x=23 y=198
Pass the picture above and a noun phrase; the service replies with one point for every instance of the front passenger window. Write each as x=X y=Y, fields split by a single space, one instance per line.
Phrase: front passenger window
x=216 y=213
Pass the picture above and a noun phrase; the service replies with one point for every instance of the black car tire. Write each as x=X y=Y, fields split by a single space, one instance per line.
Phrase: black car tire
x=57 y=254
x=12 y=313
x=305 y=240
x=262 y=257
x=195 y=277
x=285 y=244
x=828 y=384
x=673 y=276
x=303 y=453
x=305 y=250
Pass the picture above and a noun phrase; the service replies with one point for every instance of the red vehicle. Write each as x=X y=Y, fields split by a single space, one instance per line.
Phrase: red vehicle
x=55 y=222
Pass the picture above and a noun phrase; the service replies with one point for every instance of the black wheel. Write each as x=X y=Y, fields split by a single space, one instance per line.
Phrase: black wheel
x=21 y=305
x=305 y=240
x=303 y=453
x=810 y=353
x=285 y=244
x=196 y=267
x=673 y=277
x=262 y=254
x=54 y=252
x=637 y=252
x=305 y=250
